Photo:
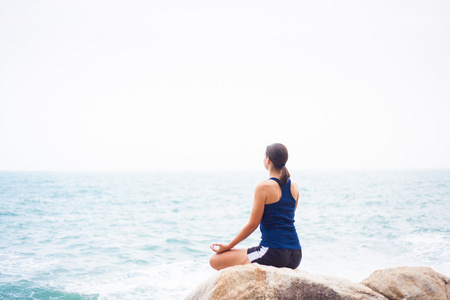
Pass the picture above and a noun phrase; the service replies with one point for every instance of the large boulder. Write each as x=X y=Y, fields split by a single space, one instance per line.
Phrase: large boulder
x=263 y=282
x=409 y=283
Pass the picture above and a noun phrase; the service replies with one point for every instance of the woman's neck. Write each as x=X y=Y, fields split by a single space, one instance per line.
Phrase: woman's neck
x=275 y=173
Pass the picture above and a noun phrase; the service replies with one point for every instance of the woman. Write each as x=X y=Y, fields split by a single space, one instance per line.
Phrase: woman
x=274 y=210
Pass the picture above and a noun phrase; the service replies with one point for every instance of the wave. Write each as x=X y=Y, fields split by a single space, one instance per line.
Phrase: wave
x=24 y=289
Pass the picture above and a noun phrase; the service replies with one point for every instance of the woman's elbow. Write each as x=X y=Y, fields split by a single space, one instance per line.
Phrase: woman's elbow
x=252 y=226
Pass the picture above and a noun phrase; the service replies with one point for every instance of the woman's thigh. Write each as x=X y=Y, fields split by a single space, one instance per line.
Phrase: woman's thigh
x=229 y=258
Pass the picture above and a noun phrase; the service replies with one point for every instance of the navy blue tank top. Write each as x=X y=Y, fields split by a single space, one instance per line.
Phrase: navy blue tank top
x=277 y=223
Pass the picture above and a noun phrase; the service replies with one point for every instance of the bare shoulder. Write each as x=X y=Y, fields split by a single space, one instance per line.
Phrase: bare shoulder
x=294 y=190
x=294 y=183
x=265 y=186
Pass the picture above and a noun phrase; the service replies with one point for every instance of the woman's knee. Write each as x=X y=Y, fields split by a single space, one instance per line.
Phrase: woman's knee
x=214 y=261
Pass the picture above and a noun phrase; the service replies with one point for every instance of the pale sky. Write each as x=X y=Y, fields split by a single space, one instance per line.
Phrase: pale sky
x=149 y=85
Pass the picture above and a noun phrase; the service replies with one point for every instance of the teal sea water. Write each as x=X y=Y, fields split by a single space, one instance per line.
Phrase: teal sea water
x=146 y=235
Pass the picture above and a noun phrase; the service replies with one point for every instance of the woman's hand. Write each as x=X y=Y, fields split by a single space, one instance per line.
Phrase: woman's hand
x=219 y=248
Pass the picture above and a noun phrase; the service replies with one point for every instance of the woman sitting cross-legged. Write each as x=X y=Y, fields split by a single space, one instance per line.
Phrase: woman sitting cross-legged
x=273 y=210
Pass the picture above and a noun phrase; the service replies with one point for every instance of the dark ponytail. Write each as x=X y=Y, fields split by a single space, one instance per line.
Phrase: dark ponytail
x=284 y=175
x=278 y=155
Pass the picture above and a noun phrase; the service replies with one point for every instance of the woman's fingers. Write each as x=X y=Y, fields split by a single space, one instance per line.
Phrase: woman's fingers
x=219 y=248
x=215 y=247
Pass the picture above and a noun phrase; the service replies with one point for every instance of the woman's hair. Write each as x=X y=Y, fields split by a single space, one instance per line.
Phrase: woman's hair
x=278 y=155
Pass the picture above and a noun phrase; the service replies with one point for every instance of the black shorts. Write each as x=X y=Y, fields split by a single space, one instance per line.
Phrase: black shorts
x=289 y=258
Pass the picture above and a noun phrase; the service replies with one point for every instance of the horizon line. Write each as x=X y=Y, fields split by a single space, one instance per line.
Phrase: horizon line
x=223 y=170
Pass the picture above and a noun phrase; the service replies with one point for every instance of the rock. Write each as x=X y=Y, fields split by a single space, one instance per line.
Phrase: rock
x=409 y=283
x=254 y=281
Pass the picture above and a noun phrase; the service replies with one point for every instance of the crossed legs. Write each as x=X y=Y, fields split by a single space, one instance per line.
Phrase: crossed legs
x=229 y=258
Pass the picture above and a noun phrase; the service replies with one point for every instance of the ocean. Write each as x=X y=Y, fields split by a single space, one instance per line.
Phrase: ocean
x=146 y=235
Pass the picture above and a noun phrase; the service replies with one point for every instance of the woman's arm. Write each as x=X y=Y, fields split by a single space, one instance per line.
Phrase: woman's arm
x=255 y=218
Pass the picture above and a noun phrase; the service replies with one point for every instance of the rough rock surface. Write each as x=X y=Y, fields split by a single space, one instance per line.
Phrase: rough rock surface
x=409 y=283
x=263 y=282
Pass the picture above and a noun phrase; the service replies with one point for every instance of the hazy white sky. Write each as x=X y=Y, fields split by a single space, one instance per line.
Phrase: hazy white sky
x=143 y=85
